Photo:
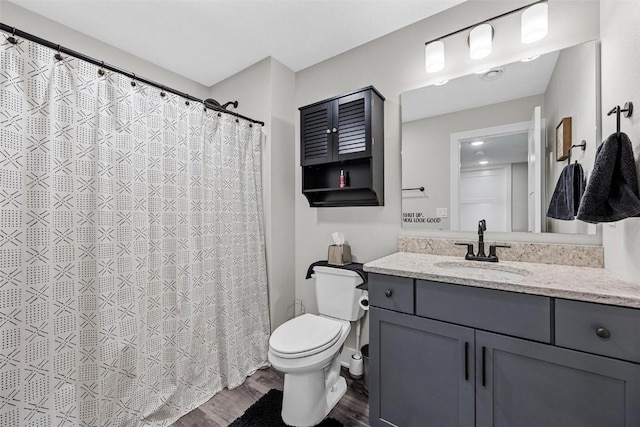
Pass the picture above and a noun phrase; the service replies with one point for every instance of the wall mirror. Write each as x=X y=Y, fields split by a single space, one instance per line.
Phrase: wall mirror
x=489 y=145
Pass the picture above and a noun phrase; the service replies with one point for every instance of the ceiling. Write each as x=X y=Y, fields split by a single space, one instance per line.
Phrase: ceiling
x=496 y=150
x=515 y=80
x=210 y=40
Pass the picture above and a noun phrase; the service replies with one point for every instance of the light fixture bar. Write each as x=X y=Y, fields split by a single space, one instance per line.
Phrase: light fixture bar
x=486 y=21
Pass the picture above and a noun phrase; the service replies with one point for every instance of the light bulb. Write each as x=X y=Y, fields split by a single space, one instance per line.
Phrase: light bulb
x=534 y=23
x=480 y=41
x=434 y=56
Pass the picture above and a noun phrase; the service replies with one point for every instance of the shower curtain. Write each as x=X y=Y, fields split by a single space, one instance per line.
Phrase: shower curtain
x=132 y=259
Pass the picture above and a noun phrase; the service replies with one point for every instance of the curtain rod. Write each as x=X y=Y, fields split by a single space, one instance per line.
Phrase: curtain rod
x=486 y=21
x=61 y=49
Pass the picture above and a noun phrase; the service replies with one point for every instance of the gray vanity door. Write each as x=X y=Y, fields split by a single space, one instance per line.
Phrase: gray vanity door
x=421 y=372
x=522 y=383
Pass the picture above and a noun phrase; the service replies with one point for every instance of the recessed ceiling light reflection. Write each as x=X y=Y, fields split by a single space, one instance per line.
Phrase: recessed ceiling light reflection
x=477 y=143
x=441 y=82
x=483 y=162
x=530 y=58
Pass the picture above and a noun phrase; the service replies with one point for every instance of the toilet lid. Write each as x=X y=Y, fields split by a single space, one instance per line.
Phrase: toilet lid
x=305 y=335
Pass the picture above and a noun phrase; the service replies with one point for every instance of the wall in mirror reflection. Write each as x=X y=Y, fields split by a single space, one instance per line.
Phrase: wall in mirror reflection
x=442 y=126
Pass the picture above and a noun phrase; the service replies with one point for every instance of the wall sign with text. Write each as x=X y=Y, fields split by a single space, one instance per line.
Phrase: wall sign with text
x=419 y=218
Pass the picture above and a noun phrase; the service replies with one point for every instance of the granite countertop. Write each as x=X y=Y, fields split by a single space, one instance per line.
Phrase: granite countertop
x=577 y=283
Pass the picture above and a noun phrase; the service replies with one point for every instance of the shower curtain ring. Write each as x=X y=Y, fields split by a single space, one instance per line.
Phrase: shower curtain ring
x=58 y=56
x=12 y=39
x=101 y=70
x=187 y=101
x=133 y=80
x=162 y=94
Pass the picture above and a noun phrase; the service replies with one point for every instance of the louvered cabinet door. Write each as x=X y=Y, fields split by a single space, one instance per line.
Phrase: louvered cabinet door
x=352 y=125
x=316 y=134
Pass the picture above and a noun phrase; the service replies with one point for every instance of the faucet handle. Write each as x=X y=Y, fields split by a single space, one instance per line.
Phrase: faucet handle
x=469 y=249
x=492 y=249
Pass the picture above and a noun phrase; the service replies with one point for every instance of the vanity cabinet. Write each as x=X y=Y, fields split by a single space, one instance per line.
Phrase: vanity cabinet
x=523 y=383
x=421 y=371
x=343 y=134
x=468 y=356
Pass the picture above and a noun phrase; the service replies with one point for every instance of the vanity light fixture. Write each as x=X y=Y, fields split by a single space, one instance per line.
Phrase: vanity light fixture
x=534 y=26
x=534 y=23
x=434 y=56
x=481 y=41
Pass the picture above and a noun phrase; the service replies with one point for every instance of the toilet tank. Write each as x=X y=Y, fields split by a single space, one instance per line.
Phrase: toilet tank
x=337 y=294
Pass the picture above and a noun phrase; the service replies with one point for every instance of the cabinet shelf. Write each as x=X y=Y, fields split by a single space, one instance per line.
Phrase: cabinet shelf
x=321 y=190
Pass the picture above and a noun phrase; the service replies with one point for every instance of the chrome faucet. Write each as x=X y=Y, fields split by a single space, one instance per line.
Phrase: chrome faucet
x=481 y=256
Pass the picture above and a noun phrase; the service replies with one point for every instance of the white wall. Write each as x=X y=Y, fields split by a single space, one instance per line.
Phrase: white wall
x=571 y=93
x=620 y=35
x=38 y=25
x=395 y=64
x=264 y=91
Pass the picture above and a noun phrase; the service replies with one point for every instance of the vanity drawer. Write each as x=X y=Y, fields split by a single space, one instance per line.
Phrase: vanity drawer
x=510 y=313
x=597 y=328
x=391 y=292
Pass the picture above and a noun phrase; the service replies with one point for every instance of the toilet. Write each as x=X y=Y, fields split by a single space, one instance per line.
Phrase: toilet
x=307 y=348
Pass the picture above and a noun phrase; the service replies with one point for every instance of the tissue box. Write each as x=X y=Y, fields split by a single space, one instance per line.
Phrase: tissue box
x=339 y=255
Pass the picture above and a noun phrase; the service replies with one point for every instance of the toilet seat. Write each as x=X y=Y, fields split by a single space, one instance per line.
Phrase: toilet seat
x=304 y=336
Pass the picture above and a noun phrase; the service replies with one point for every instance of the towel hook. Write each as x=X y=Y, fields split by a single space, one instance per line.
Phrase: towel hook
x=627 y=110
x=582 y=145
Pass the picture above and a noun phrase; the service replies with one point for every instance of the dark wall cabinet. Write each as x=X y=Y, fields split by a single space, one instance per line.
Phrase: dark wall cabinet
x=429 y=371
x=343 y=134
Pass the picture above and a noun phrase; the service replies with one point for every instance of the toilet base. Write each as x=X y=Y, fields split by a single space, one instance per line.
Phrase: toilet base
x=307 y=400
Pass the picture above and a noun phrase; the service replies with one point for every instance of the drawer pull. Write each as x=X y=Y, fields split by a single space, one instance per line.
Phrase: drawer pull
x=388 y=293
x=484 y=366
x=603 y=332
x=466 y=361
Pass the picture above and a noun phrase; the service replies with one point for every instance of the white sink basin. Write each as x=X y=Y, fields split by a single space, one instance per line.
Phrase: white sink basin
x=481 y=270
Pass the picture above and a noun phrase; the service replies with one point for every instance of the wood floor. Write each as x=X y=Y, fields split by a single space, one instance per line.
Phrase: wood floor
x=226 y=406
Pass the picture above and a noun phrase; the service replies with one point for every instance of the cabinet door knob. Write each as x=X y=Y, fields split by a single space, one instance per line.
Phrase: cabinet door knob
x=328 y=130
x=603 y=332
x=335 y=130
x=388 y=293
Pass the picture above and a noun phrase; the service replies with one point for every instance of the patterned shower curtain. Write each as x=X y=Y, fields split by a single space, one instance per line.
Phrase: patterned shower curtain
x=132 y=259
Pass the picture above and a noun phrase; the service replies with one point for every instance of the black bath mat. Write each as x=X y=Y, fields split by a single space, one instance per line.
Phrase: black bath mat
x=266 y=413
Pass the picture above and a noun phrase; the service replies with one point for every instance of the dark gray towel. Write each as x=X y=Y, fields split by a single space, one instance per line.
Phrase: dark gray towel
x=566 y=197
x=612 y=192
